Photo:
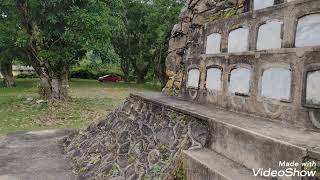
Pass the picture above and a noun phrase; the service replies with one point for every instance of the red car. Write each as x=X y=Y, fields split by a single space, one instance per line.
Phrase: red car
x=109 y=78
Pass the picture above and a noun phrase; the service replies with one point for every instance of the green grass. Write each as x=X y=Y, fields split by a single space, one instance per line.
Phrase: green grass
x=90 y=101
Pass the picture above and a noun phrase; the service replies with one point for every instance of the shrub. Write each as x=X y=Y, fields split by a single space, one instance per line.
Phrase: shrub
x=27 y=75
x=88 y=70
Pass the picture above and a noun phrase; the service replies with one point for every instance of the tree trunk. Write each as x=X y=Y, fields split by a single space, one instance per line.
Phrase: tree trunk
x=6 y=71
x=53 y=85
x=140 y=77
x=60 y=86
x=140 y=71
x=160 y=70
x=53 y=80
x=45 y=88
x=162 y=76
x=125 y=67
x=56 y=89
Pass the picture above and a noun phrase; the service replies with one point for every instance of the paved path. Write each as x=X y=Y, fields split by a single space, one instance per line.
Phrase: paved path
x=35 y=155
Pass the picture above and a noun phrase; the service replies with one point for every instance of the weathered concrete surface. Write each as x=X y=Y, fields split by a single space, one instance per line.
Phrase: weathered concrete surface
x=284 y=133
x=205 y=164
x=283 y=35
x=185 y=36
x=34 y=155
x=251 y=141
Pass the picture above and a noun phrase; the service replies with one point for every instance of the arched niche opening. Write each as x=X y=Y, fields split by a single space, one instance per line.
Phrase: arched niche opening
x=276 y=83
x=239 y=82
x=213 y=44
x=313 y=88
x=238 y=40
x=214 y=78
x=193 y=78
x=269 y=35
x=260 y=4
x=314 y=116
x=308 y=31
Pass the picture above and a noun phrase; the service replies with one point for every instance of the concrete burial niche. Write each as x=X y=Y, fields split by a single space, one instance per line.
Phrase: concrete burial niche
x=214 y=79
x=238 y=40
x=193 y=78
x=313 y=88
x=213 y=43
x=308 y=31
x=260 y=4
x=269 y=35
x=276 y=83
x=314 y=116
x=240 y=80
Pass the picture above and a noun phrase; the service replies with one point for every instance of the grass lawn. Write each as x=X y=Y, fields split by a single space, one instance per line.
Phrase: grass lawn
x=20 y=108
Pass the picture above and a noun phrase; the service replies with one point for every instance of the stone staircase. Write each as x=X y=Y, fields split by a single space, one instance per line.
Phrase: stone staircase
x=206 y=164
x=240 y=143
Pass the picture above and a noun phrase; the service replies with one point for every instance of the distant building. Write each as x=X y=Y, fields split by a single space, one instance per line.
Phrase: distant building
x=18 y=69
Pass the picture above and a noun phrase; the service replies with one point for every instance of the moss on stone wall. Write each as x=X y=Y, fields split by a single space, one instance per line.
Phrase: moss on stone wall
x=222 y=14
x=185 y=36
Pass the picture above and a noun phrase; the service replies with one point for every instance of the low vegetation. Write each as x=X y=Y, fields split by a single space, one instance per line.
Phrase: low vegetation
x=20 y=108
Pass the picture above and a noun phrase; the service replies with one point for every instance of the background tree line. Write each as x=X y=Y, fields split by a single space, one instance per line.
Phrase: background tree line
x=55 y=37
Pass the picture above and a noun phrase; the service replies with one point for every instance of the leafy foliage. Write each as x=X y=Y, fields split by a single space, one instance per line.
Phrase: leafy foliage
x=142 y=46
x=94 y=68
x=8 y=35
x=64 y=30
x=55 y=34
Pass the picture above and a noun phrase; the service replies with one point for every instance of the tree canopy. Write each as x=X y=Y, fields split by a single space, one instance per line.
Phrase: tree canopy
x=53 y=35
x=56 y=34
x=143 y=43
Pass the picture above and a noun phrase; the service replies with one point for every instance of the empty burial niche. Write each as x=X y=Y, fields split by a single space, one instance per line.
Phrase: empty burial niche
x=313 y=88
x=260 y=4
x=276 y=83
x=308 y=31
x=193 y=78
x=238 y=40
x=240 y=81
x=213 y=43
x=214 y=79
x=269 y=35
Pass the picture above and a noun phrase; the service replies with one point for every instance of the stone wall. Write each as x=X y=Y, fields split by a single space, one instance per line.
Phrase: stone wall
x=265 y=61
x=139 y=140
x=186 y=34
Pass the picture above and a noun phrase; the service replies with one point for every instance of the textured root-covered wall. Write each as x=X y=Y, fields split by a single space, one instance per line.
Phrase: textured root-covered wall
x=139 y=140
x=187 y=32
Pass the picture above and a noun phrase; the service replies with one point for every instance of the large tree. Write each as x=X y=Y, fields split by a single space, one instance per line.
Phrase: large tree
x=56 y=34
x=143 y=44
x=8 y=34
x=6 y=68
x=164 y=14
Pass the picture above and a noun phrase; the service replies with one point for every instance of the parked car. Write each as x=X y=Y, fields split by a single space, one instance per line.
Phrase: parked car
x=109 y=78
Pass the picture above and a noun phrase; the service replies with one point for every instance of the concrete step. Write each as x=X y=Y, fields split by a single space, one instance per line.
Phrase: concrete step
x=205 y=164
x=251 y=141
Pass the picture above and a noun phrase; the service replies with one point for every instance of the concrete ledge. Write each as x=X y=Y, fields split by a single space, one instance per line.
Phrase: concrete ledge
x=207 y=165
x=298 y=51
x=252 y=141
